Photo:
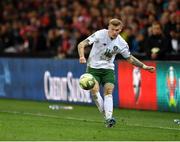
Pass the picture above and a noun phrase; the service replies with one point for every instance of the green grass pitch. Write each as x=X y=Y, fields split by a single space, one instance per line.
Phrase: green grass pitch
x=29 y=120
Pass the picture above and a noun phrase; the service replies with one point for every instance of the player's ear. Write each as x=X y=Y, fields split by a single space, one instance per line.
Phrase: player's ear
x=120 y=29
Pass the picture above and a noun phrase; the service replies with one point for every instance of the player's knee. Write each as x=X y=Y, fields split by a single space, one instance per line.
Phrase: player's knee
x=95 y=89
x=108 y=89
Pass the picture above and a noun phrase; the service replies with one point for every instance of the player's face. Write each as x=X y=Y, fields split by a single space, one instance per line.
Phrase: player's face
x=114 y=31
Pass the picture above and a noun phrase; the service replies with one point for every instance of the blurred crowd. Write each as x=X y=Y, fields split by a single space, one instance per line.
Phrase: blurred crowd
x=53 y=28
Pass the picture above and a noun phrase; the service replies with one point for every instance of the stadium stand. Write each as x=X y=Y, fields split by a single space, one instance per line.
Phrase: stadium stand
x=52 y=28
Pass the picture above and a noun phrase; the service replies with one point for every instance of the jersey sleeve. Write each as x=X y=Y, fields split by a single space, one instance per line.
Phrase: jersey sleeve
x=93 y=38
x=125 y=52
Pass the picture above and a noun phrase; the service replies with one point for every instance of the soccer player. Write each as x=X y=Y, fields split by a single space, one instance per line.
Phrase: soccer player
x=106 y=44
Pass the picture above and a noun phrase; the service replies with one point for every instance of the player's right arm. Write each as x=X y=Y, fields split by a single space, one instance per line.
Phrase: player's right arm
x=88 y=41
x=81 y=47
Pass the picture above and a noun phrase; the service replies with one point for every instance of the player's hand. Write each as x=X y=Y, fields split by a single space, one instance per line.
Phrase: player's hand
x=149 y=68
x=82 y=60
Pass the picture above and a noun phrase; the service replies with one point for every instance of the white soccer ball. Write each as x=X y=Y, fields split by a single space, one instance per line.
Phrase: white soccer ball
x=86 y=81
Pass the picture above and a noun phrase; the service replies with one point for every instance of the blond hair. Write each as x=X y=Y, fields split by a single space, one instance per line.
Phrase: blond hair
x=115 y=22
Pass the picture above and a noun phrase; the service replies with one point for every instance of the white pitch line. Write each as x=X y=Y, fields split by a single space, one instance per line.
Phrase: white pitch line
x=50 y=116
x=78 y=119
x=166 y=128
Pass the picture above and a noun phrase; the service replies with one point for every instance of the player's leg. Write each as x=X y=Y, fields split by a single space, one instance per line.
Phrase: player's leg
x=97 y=97
x=108 y=100
x=108 y=81
x=95 y=91
x=108 y=105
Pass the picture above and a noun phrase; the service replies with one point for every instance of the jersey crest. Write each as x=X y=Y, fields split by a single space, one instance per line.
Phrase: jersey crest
x=109 y=53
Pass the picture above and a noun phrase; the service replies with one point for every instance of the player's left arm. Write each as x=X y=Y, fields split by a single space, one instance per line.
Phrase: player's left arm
x=138 y=63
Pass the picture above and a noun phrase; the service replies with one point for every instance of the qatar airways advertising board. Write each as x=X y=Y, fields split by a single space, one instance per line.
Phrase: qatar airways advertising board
x=139 y=89
x=168 y=86
x=58 y=80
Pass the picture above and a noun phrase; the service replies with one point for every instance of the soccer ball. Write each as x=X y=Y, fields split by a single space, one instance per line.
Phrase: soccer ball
x=86 y=81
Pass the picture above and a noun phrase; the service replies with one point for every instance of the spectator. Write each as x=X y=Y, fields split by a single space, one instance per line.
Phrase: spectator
x=157 y=44
x=84 y=16
x=175 y=42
